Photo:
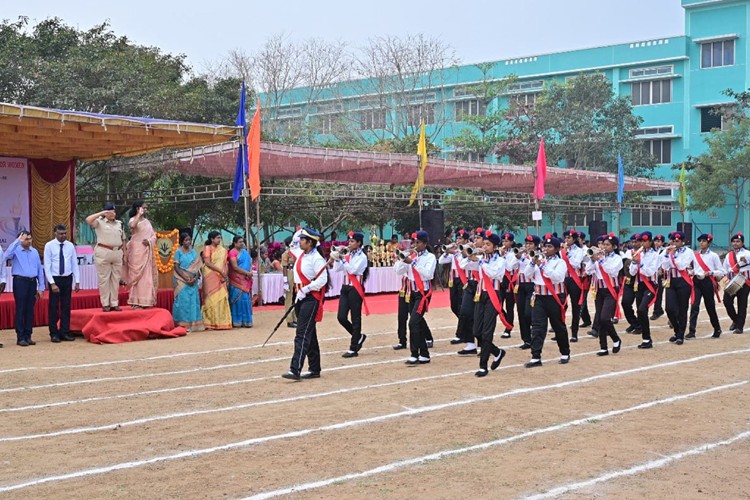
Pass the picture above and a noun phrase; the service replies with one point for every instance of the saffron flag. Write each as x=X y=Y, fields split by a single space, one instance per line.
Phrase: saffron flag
x=253 y=141
x=682 y=196
x=240 y=172
x=422 y=152
x=620 y=179
x=541 y=172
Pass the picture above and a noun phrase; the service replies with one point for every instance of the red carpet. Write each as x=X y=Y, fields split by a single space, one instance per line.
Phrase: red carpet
x=85 y=299
x=128 y=325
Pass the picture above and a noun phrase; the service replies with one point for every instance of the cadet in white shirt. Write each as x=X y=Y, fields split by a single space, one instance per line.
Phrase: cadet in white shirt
x=354 y=267
x=61 y=270
x=737 y=262
x=676 y=263
x=707 y=269
x=604 y=267
x=457 y=278
x=575 y=282
x=645 y=268
x=507 y=290
x=658 y=311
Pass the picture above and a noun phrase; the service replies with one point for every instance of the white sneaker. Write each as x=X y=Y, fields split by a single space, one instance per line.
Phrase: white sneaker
x=411 y=360
x=422 y=360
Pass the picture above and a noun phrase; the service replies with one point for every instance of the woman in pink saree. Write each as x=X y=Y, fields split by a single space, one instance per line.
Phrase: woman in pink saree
x=139 y=271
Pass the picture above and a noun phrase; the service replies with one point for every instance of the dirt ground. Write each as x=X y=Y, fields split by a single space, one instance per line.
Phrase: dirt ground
x=208 y=416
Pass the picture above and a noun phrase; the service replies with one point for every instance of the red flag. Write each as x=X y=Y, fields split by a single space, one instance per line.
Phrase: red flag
x=541 y=172
x=253 y=142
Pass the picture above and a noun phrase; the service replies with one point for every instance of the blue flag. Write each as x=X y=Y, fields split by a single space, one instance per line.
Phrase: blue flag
x=620 y=179
x=240 y=172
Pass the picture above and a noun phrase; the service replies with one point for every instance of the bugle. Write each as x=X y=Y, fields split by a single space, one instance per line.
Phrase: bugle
x=403 y=255
x=448 y=248
x=338 y=252
x=593 y=251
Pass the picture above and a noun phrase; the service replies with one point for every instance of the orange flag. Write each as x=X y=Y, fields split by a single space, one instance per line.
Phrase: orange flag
x=253 y=143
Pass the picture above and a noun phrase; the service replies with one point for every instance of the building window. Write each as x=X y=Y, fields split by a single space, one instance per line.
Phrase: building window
x=651 y=218
x=471 y=107
x=416 y=113
x=716 y=54
x=523 y=99
x=710 y=119
x=526 y=86
x=465 y=156
x=329 y=123
x=661 y=149
x=658 y=70
x=652 y=92
x=372 y=119
x=582 y=219
x=668 y=129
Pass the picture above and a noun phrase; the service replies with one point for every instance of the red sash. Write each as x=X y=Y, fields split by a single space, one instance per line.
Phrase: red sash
x=495 y=302
x=646 y=281
x=550 y=286
x=684 y=274
x=318 y=294
x=733 y=262
x=610 y=286
x=461 y=272
x=704 y=266
x=357 y=286
x=573 y=274
x=424 y=303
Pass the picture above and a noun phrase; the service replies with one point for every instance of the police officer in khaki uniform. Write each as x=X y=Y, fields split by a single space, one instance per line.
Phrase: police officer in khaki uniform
x=110 y=240
x=287 y=265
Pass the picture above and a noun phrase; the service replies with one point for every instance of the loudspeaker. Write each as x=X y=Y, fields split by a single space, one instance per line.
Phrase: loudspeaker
x=597 y=228
x=433 y=221
x=687 y=228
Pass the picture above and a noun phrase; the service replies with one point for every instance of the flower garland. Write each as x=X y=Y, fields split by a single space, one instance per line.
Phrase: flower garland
x=165 y=268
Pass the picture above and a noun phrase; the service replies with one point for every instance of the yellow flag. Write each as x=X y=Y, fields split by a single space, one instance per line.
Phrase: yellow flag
x=422 y=152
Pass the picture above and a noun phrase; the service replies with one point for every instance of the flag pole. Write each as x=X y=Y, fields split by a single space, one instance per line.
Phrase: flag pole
x=257 y=238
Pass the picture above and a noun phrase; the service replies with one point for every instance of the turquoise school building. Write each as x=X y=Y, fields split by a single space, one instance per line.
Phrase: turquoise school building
x=673 y=83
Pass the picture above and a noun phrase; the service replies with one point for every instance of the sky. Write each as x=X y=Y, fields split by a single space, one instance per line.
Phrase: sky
x=478 y=30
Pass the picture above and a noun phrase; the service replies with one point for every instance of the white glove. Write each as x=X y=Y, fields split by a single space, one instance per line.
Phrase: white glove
x=301 y=295
x=286 y=285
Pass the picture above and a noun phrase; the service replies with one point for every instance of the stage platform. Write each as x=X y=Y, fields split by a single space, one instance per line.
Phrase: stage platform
x=84 y=299
x=128 y=325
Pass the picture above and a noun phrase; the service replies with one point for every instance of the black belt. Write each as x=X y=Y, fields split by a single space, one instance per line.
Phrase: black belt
x=24 y=278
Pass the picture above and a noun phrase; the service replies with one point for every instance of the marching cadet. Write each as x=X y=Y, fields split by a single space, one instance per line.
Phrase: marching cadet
x=604 y=266
x=471 y=268
x=575 y=282
x=678 y=285
x=548 y=275
x=645 y=269
x=287 y=266
x=419 y=268
x=525 y=287
x=457 y=280
x=586 y=281
x=354 y=266
x=507 y=291
x=628 y=292
x=737 y=263
x=310 y=279
x=706 y=268
x=659 y=248
x=404 y=295
x=488 y=306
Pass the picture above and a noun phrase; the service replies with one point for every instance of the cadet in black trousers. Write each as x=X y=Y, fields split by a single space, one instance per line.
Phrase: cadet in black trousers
x=604 y=267
x=526 y=288
x=707 y=270
x=491 y=272
x=676 y=262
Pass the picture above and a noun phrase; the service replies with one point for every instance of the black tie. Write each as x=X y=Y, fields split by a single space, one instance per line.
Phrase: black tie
x=62 y=260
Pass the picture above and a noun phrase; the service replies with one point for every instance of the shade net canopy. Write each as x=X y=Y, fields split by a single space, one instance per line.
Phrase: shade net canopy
x=33 y=132
x=279 y=161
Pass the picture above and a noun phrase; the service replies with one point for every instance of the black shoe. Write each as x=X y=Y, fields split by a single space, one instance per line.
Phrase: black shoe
x=22 y=343
x=679 y=341
x=429 y=344
x=31 y=342
x=585 y=324
x=564 y=360
x=68 y=338
x=603 y=352
x=615 y=321
x=732 y=326
x=574 y=339
x=630 y=329
x=553 y=339
x=398 y=347
x=467 y=352
x=290 y=375
x=55 y=340
x=505 y=335
x=499 y=360
x=350 y=354
x=645 y=345
x=481 y=373
x=532 y=364
x=292 y=324
x=637 y=331
x=525 y=346
x=309 y=375
x=690 y=335
x=656 y=316
x=673 y=338
x=456 y=341
x=616 y=346
x=717 y=334
x=737 y=330
x=593 y=333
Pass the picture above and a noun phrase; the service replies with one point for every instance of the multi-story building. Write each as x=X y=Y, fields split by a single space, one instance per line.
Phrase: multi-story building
x=673 y=83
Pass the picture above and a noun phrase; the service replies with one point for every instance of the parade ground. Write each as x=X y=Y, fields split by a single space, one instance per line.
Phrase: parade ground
x=208 y=416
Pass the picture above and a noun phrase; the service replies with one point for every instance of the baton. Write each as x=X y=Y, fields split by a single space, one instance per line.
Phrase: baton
x=279 y=323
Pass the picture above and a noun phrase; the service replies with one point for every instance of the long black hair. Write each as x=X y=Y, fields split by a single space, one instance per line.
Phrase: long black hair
x=211 y=236
x=134 y=209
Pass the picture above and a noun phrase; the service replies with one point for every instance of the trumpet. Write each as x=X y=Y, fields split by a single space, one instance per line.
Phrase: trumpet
x=593 y=251
x=448 y=248
x=403 y=255
x=465 y=248
x=472 y=250
x=522 y=251
x=338 y=252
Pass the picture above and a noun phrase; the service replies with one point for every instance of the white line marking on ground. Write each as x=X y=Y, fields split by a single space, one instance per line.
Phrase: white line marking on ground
x=353 y=423
x=483 y=446
x=637 y=469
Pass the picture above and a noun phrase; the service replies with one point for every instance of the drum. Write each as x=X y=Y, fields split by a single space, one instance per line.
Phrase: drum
x=735 y=284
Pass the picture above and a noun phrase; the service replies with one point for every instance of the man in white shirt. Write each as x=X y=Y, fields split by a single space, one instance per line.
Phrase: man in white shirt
x=676 y=263
x=61 y=272
x=737 y=262
x=354 y=267
x=706 y=270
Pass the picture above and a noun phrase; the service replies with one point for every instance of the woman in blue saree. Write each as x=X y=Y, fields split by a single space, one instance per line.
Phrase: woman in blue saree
x=187 y=302
x=240 y=284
